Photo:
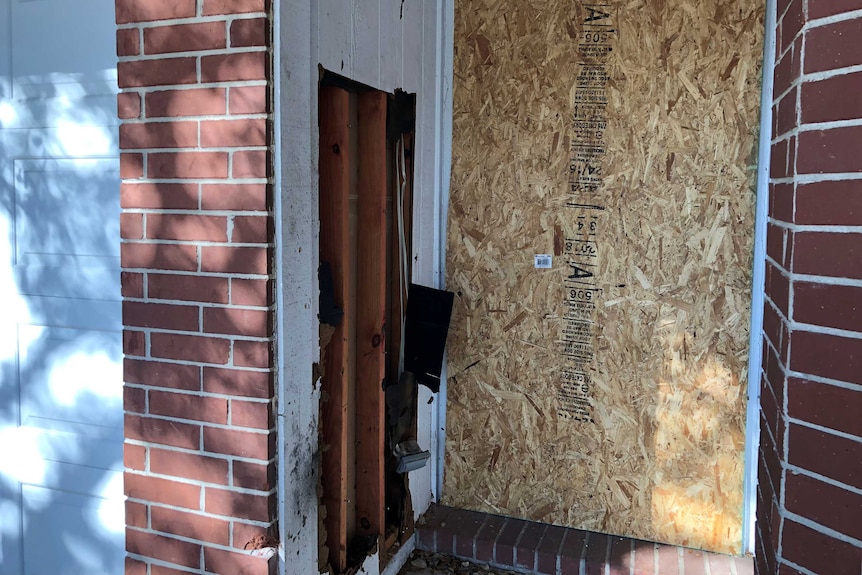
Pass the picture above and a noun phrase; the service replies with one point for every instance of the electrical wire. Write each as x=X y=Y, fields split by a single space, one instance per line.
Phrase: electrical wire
x=402 y=241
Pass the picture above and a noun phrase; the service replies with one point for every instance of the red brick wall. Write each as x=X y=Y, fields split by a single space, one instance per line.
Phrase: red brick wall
x=197 y=284
x=810 y=469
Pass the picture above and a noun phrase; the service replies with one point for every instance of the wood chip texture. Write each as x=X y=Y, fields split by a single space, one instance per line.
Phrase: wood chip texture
x=659 y=453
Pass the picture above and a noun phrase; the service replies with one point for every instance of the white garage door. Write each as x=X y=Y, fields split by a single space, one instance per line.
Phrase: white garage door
x=61 y=505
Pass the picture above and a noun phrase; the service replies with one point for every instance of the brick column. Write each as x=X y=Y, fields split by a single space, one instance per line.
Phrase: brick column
x=810 y=472
x=197 y=285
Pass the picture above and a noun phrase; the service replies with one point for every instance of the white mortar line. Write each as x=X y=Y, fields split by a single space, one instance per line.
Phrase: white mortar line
x=198 y=422
x=223 y=366
x=783 y=137
x=196 y=212
x=795 y=566
x=841 y=17
x=824 y=380
x=824 y=177
x=222 y=336
x=828 y=430
x=832 y=229
x=814 y=126
x=195 y=149
x=192 y=54
x=192 y=20
x=226 y=117
x=826 y=74
x=194 y=181
x=200 y=243
x=199 y=86
x=195 y=303
x=188 y=451
x=826 y=280
x=796 y=470
x=810 y=328
x=200 y=394
x=213 y=275
x=823 y=529
x=769 y=433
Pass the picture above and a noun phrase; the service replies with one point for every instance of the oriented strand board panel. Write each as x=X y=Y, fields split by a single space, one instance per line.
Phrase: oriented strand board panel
x=616 y=144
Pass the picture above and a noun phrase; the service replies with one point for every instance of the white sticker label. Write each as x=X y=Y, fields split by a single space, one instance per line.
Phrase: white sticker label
x=543 y=261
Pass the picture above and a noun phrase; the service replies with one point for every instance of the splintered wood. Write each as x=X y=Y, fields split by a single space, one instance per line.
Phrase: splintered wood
x=607 y=392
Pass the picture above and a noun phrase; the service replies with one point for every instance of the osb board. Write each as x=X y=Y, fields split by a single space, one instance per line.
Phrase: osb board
x=607 y=392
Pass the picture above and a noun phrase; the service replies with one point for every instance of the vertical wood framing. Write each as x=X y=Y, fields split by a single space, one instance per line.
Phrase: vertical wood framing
x=370 y=314
x=334 y=249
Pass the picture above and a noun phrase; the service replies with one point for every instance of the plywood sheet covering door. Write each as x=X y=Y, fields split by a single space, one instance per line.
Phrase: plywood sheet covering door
x=607 y=392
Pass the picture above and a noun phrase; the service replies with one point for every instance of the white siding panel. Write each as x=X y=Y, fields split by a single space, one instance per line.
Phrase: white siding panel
x=297 y=229
x=391 y=36
x=411 y=47
x=367 y=42
x=334 y=35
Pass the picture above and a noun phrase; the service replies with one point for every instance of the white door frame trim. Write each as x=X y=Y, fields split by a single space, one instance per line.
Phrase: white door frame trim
x=755 y=344
x=295 y=201
x=443 y=145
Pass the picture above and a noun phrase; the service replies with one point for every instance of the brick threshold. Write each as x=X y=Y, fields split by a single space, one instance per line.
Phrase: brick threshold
x=531 y=547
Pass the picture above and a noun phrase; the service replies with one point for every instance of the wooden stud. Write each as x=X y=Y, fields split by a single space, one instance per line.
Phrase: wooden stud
x=371 y=314
x=334 y=249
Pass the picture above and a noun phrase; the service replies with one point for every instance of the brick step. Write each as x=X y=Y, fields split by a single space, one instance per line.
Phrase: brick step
x=532 y=547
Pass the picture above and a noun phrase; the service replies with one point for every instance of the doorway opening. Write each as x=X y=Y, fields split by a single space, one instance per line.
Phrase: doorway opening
x=365 y=208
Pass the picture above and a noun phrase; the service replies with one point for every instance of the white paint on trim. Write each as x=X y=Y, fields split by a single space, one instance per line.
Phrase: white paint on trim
x=755 y=356
x=445 y=75
x=371 y=565
x=296 y=254
x=400 y=557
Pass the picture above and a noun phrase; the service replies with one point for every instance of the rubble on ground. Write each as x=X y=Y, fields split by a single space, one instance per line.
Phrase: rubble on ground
x=426 y=563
